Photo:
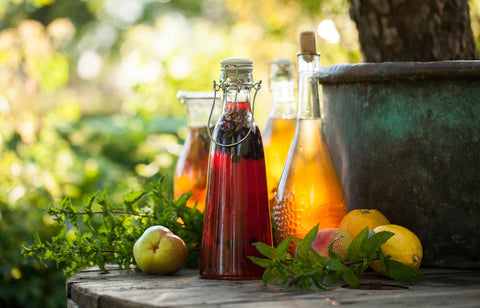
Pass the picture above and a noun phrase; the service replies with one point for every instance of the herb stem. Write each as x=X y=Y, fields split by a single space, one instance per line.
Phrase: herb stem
x=112 y=212
x=361 y=261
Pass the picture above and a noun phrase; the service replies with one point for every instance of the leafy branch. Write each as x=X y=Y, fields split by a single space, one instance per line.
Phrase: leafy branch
x=100 y=233
x=307 y=267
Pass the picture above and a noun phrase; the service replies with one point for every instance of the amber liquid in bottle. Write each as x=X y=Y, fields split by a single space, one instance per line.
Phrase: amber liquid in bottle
x=192 y=167
x=277 y=136
x=310 y=191
x=192 y=164
x=280 y=127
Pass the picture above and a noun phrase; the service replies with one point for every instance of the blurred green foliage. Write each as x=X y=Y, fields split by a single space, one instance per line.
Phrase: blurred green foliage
x=25 y=283
x=88 y=100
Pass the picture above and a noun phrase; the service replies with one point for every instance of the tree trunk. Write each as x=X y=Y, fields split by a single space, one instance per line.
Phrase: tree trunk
x=414 y=30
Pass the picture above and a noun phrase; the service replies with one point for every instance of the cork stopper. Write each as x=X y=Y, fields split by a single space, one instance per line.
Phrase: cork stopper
x=308 y=46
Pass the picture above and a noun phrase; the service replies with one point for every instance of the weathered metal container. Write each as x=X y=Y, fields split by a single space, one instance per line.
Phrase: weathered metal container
x=405 y=137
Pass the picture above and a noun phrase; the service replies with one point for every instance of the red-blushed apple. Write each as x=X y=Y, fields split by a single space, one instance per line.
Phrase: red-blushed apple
x=326 y=236
x=159 y=251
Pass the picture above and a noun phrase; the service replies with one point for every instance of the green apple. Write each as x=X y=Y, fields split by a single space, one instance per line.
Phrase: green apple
x=159 y=251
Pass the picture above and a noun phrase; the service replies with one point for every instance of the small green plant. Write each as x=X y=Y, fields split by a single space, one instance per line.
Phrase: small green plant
x=99 y=233
x=307 y=267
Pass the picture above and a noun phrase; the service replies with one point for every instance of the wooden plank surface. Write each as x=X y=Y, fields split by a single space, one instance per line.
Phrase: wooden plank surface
x=93 y=289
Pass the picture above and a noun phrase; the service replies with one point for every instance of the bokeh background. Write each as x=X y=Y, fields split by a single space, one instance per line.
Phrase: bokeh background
x=88 y=99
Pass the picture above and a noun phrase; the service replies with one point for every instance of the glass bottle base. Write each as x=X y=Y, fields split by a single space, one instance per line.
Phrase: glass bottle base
x=222 y=277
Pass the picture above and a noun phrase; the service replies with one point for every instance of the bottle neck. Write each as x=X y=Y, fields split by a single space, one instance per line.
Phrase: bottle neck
x=236 y=100
x=308 y=94
x=198 y=111
x=283 y=99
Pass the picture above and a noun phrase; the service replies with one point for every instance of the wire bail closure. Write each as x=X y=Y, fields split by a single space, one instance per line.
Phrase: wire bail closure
x=224 y=86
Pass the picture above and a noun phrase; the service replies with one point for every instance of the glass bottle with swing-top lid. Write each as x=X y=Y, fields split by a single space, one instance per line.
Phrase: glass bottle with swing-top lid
x=236 y=210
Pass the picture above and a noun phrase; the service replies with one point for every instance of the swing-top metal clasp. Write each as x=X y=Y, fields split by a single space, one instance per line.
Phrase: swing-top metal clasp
x=236 y=76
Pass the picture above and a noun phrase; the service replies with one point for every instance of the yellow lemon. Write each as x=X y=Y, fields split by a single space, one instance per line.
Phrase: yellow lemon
x=356 y=220
x=404 y=246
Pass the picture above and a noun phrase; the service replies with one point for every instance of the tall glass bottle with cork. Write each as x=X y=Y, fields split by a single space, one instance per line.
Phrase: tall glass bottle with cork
x=280 y=127
x=236 y=209
x=309 y=191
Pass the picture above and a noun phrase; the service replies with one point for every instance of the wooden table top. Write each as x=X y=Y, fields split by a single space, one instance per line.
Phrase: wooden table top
x=92 y=289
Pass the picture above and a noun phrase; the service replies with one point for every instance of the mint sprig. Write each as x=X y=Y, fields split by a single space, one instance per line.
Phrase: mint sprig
x=306 y=267
x=100 y=233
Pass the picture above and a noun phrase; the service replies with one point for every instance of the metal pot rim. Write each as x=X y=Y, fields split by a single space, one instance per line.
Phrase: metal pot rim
x=400 y=71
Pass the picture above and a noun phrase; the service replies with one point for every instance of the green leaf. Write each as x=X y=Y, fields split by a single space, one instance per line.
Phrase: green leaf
x=131 y=198
x=88 y=204
x=401 y=272
x=374 y=242
x=305 y=244
x=320 y=285
x=267 y=250
x=268 y=275
x=331 y=278
x=333 y=254
x=350 y=278
x=282 y=248
x=316 y=258
x=334 y=265
x=38 y=241
x=357 y=243
x=261 y=262
x=102 y=200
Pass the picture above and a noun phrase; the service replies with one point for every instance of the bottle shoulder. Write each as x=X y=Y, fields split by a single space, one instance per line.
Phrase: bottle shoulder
x=309 y=145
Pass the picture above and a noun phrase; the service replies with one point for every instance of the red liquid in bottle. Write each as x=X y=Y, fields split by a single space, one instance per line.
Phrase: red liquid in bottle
x=236 y=211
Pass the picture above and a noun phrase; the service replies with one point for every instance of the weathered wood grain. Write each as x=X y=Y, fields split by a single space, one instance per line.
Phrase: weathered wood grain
x=119 y=289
